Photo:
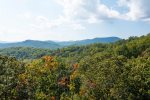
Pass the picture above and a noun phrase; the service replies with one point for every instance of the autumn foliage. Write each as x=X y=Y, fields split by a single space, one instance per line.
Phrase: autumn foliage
x=117 y=71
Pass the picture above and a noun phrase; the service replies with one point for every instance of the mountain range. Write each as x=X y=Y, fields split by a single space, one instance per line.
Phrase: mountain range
x=54 y=45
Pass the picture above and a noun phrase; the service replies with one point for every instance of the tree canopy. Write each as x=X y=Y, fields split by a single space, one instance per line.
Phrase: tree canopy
x=115 y=71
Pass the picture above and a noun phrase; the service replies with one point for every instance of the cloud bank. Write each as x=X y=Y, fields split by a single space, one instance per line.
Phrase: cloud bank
x=52 y=17
x=77 y=12
x=95 y=9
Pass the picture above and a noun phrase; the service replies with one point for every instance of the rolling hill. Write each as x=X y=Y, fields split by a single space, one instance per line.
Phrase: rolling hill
x=54 y=45
x=31 y=43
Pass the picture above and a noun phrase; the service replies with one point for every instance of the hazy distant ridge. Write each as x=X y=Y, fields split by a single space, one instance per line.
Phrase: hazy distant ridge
x=54 y=45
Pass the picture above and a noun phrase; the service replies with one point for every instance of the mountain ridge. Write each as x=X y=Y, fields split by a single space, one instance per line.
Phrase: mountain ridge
x=54 y=45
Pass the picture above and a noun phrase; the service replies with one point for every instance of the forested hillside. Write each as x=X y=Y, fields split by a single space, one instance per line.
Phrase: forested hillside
x=115 y=71
x=25 y=52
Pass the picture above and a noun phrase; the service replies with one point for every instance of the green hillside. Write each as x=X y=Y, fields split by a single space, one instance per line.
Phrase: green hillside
x=114 y=71
x=25 y=52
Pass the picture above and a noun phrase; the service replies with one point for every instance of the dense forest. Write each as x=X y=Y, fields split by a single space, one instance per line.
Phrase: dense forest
x=114 y=71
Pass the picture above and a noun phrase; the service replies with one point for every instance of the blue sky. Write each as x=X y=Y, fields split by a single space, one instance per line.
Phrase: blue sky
x=72 y=19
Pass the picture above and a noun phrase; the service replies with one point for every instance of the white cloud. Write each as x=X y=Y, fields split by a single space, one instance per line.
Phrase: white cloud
x=72 y=16
x=77 y=12
x=70 y=7
x=137 y=9
x=93 y=10
x=104 y=12
x=93 y=19
x=87 y=10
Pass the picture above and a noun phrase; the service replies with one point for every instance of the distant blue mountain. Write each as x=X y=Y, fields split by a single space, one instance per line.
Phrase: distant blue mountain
x=90 y=41
x=54 y=45
x=31 y=43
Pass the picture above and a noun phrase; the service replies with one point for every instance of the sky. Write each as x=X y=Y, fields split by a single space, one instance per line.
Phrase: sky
x=64 y=20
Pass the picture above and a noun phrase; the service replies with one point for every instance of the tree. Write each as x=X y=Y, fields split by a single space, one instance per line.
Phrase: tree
x=10 y=68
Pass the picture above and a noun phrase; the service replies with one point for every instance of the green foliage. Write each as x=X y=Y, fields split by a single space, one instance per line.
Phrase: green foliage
x=9 y=70
x=45 y=78
x=116 y=71
x=134 y=46
x=25 y=52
